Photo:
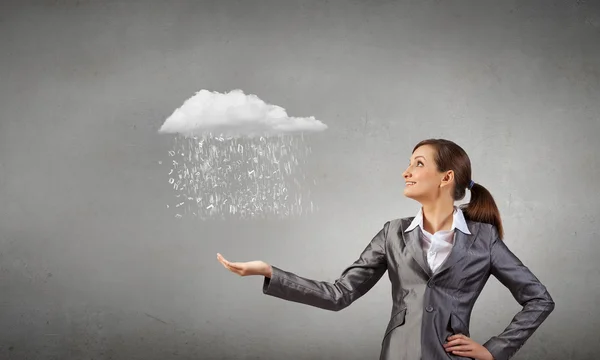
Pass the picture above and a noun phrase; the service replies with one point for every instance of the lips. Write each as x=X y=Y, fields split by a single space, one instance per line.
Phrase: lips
x=410 y=183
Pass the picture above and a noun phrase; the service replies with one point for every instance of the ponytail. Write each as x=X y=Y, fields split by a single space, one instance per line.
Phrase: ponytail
x=482 y=208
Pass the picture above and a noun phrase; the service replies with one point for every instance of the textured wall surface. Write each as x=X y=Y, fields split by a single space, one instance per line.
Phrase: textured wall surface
x=93 y=265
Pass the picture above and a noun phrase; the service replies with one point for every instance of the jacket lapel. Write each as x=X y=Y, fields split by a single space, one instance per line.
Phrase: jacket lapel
x=412 y=240
x=462 y=243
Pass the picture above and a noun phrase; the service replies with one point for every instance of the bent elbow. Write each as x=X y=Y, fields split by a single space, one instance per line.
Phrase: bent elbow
x=340 y=306
x=543 y=302
x=337 y=305
x=550 y=305
x=548 y=301
x=341 y=301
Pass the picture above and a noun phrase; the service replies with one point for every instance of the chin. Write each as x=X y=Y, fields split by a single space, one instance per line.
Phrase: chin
x=411 y=194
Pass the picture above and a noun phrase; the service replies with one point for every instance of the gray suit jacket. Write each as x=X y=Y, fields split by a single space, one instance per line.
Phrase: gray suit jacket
x=428 y=308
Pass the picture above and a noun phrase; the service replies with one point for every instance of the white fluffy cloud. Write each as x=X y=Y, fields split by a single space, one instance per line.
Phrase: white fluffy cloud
x=234 y=114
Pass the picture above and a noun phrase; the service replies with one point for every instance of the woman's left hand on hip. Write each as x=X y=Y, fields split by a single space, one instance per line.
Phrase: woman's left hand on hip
x=462 y=345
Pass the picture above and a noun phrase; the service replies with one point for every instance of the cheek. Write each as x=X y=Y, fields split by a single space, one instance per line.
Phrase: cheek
x=424 y=176
x=427 y=182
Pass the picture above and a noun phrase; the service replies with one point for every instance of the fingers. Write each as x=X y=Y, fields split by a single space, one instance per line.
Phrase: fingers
x=458 y=347
x=223 y=261
x=233 y=267
x=462 y=349
x=459 y=343
x=461 y=346
x=457 y=336
x=463 y=353
x=466 y=347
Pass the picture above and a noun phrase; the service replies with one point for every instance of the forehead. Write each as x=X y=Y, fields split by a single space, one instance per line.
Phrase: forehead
x=426 y=151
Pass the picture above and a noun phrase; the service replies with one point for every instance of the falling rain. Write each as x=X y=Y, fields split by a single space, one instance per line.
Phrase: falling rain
x=216 y=176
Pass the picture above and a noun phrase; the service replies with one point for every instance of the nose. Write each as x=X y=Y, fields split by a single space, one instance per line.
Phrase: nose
x=406 y=174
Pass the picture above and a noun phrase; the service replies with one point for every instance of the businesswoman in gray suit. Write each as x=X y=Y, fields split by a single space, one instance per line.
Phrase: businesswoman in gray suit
x=438 y=263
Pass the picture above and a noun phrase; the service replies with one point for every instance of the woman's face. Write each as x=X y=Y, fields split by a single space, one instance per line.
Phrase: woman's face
x=422 y=178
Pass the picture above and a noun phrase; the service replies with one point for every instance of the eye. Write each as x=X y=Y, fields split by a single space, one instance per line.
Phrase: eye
x=419 y=163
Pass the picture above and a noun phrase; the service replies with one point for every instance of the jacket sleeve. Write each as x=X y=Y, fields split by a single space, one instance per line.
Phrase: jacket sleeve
x=353 y=283
x=529 y=293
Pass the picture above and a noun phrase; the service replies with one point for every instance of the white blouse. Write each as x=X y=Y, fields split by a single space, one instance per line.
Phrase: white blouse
x=438 y=246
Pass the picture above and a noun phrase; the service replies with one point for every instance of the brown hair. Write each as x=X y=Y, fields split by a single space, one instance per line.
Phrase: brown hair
x=481 y=206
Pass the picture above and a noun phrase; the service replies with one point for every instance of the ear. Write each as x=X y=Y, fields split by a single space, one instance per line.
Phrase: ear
x=448 y=178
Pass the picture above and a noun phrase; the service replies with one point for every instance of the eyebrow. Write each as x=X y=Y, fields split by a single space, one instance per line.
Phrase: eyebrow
x=418 y=157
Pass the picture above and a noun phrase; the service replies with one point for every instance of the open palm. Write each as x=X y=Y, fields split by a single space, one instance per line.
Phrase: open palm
x=246 y=268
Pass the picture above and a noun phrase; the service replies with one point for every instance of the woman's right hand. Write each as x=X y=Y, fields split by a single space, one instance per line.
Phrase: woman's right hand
x=246 y=268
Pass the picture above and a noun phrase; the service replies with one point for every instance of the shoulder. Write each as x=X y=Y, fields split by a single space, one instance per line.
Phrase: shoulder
x=403 y=219
x=402 y=222
x=483 y=231
x=398 y=224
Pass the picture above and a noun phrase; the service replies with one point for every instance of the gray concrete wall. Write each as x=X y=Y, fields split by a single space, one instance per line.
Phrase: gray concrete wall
x=94 y=266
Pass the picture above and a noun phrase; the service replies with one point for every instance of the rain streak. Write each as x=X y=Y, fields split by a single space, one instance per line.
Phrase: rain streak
x=248 y=177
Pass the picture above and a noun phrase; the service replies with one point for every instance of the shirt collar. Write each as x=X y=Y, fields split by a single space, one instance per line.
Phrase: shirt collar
x=458 y=221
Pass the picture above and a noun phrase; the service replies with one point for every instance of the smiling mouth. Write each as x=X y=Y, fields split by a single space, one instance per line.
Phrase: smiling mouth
x=410 y=183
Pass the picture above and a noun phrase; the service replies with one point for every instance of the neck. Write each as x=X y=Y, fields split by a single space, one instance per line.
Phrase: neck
x=438 y=216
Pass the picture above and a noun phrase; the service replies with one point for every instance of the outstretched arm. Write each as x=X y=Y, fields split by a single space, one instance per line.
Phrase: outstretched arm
x=527 y=290
x=353 y=283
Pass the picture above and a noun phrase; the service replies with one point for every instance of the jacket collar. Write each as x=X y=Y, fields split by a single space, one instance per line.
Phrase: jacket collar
x=458 y=221
x=462 y=242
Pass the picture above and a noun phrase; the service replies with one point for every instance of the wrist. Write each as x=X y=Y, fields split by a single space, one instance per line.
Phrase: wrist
x=268 y=271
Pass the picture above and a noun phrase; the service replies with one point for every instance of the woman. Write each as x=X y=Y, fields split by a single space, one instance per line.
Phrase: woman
x=438 y=263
